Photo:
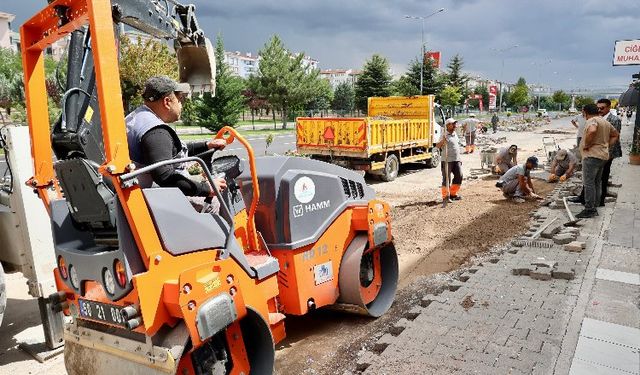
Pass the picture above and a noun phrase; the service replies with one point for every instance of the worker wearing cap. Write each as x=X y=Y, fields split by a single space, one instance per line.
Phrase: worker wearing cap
x=151 y=139
x=506 y=159
x=562 y=166
x=451 y=163
x=517 y=184
x=469 y=127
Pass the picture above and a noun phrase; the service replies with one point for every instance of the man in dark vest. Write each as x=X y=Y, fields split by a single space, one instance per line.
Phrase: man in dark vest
x=151 y=139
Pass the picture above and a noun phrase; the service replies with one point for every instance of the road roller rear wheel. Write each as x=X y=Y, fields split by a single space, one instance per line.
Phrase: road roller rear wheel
x=368 y=278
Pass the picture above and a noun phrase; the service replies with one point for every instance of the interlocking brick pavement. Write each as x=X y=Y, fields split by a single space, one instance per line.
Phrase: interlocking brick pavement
x=493 y=320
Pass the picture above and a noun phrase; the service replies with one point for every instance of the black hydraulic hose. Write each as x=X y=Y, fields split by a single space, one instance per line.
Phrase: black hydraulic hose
x=3 y=145
x=63 y=123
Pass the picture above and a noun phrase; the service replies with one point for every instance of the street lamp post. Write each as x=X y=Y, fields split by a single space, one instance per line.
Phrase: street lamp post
x=539 y=65
x=501 y=51
x=422 y=18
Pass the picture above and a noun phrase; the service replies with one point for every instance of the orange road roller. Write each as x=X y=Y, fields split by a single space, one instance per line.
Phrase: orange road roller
x=150 y=285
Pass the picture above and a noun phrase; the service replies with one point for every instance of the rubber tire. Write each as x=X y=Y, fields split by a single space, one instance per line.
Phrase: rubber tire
x=391 y=168
x=3 y=294
x=434 y=161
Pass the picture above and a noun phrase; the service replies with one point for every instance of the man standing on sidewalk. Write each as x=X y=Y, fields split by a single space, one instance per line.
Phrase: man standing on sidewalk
x=615 y=150
x=594 y=147
x=451 y=162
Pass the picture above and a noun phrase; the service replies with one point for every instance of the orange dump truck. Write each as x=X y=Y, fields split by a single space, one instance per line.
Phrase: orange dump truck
x=397 y=130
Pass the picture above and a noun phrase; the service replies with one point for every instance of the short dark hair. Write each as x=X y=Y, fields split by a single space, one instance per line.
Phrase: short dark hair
x=605 y=101
x=590 y=109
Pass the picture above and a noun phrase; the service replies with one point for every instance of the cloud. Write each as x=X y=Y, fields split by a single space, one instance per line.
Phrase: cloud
x=578 y=36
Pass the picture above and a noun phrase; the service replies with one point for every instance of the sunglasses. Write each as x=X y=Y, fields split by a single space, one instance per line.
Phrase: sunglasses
x=601 y=108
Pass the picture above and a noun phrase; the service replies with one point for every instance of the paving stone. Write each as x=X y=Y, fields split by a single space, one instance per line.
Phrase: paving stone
x=541 y=273
x=551 y=230
x=575 y=246
x=563 y=272
x=563 y=239
x=545 y=263
x=520 y=271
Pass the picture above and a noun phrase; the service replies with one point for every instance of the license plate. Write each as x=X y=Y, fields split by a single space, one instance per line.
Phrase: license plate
x=101 y=312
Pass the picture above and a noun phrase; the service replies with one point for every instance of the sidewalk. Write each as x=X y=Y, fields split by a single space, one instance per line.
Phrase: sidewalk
x=540 y=307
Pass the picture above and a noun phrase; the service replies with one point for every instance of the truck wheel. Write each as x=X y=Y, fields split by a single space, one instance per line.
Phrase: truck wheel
x=3 y=294
x=434 y=162
x=391 y=167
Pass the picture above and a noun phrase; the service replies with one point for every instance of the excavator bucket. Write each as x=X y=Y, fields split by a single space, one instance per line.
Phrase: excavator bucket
x=197 y=64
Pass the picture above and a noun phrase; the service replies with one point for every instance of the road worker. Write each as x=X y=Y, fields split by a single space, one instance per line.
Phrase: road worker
x=506 y=159
x=469 y=128
x=517 y=184
x=562 y=166
x=451 y=163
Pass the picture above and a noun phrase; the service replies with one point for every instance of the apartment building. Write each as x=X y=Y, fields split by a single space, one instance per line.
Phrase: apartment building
x=338 y=76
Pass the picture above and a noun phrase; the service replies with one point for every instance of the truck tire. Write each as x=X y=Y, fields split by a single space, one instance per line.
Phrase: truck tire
x=391 y=168
x=3 y=294
x=434 y=161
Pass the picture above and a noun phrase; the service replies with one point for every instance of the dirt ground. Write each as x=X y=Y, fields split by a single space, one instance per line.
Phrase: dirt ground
x=430 y=240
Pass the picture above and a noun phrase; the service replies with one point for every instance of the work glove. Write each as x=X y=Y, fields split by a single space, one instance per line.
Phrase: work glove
x=553 y=178
x=563 y=178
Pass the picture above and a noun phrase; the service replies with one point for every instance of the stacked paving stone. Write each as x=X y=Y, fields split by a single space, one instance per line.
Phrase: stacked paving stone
x=494 y=319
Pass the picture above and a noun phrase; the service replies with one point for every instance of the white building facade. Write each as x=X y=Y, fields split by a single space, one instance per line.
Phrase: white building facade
x=7 y=35
x=338 y=76
x=241 y=64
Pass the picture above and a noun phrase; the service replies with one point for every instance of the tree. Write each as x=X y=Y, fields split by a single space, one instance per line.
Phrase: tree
x=225 y=108
x=12 y=85
x=375 y=80
x=283 y=80
x=520 y=94
x=138 y=62
x=403 y=87
x=581 y=101
x=455 y=76
x=484 y=91
x=450 y=96
x=322 y=96
x=344 y=98
x=561 y=98
x=432 y=82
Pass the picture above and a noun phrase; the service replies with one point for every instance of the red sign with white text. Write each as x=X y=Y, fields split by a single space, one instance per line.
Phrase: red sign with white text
x=493 y=94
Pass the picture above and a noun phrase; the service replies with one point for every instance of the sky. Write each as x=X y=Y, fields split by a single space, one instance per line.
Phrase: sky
x=564 y=44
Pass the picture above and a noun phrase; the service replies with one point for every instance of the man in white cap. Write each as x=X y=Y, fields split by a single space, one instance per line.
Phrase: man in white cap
x=562 y=166
x=451 y=163
x=151 y=139
x=469 y=127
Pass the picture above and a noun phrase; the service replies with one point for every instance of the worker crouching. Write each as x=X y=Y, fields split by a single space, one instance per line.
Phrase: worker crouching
x=451 y=163
x=506 y=159
x=562 y=166
x=517 y=184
